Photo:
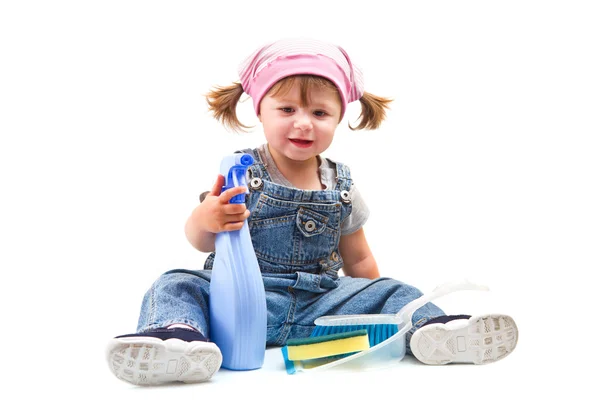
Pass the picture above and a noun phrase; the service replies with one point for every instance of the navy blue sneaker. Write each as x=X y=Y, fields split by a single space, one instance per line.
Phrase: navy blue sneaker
x=465 y=339
x=163 y=355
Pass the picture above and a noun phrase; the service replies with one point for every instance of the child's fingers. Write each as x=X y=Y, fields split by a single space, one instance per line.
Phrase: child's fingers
x=234 y=222
x=216 y=189
x=232 y=209
x=230 y=193
x=233 y=226
x=237 y=217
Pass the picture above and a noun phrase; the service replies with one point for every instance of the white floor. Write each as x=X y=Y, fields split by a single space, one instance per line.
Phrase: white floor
x=524 y=374
x=541 y=366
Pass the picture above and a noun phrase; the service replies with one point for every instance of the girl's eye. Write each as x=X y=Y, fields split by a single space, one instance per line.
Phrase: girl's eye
x=287 y=109
x=320 y=113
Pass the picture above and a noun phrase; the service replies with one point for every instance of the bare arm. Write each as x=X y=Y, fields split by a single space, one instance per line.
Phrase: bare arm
x=215 y=215
x=358 y=259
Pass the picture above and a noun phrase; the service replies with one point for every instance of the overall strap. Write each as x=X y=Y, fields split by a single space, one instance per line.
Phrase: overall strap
x=343 y=184
x=343 y=177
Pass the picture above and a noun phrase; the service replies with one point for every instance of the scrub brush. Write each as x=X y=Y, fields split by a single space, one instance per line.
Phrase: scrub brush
x=385 y=345
x=383 y=326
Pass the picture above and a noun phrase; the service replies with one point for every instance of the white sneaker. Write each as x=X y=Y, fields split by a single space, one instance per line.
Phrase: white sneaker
x=163 y=355
x=478 y=340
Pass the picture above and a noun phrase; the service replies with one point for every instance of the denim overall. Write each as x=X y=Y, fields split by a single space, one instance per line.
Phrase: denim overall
x=295 y=234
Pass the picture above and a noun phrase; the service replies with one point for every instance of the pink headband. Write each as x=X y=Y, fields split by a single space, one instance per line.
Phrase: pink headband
x=278 y=60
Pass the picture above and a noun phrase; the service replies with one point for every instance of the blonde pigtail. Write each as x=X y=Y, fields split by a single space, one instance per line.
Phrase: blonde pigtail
x=372 y=111
x=222 y=102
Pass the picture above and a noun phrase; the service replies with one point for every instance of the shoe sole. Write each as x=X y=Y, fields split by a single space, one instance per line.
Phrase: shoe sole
x=483 y=340
x=152 y=361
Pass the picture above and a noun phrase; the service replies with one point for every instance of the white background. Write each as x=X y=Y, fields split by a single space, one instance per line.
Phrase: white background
x=487 y=168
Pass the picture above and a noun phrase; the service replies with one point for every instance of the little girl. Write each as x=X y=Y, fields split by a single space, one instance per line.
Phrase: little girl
x=305 y=216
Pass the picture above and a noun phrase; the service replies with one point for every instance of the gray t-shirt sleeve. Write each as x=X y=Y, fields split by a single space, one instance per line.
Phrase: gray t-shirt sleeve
x=359 y=215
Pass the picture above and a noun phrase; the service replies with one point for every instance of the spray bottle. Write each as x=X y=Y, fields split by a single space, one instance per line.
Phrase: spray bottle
x=238 y=307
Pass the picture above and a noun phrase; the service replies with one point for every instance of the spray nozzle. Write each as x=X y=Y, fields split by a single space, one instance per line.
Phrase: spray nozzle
x=233 y=168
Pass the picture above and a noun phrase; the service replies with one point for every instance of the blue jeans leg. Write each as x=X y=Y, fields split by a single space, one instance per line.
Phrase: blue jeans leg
x=177 y=297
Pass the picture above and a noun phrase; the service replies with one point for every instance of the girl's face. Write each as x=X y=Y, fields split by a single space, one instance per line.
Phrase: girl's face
x=300 y=132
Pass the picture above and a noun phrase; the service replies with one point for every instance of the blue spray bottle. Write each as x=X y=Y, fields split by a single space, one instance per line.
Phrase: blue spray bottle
x=238 y=306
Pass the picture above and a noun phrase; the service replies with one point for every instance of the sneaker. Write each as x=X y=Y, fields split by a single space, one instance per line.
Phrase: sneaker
x=163 y=355
x=465 y=339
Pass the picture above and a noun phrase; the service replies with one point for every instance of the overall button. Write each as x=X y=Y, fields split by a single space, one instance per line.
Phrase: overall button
x=310 y=223
x=345 y=195
x=335 y=257
x=256 y=183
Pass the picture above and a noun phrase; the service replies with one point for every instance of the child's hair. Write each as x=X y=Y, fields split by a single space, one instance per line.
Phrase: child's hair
x=222 y=101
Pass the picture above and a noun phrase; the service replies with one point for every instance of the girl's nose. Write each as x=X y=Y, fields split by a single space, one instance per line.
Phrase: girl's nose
x=303 y=122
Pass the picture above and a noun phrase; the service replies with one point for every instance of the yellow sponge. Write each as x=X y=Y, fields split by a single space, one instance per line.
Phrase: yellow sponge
x=327 y=345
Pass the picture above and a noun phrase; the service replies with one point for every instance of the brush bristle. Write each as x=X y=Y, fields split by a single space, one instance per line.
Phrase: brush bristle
x=377 y=333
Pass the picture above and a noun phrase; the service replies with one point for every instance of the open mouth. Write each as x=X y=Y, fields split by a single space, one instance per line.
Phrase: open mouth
x=301 y=143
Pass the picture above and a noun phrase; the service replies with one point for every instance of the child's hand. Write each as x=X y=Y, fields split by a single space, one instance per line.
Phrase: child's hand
x=215 y=214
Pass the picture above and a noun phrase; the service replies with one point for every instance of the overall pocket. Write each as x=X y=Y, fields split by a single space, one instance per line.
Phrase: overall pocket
x=314 y=240
x=292 y=233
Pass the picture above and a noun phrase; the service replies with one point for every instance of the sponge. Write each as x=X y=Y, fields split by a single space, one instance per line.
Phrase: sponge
x=292 y=367
x=327 y=345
